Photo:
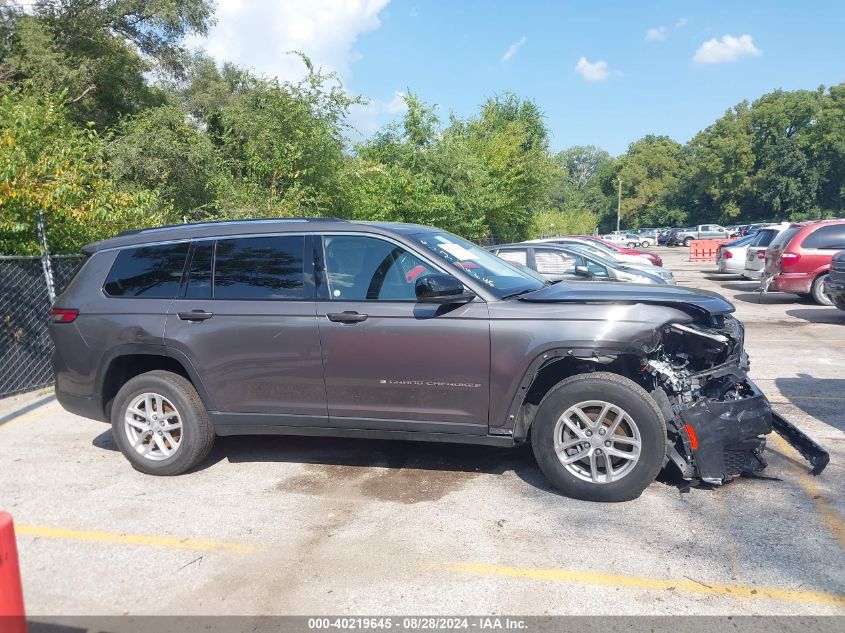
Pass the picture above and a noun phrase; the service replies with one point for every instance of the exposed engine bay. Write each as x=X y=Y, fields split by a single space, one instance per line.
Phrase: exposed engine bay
x=717 y=418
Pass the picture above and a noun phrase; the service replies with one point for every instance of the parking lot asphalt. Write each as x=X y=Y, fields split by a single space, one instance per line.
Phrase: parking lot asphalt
x=288 y=525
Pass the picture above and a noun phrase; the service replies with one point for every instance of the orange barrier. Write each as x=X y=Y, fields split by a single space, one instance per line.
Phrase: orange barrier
x=12 y=618
x=704 y=250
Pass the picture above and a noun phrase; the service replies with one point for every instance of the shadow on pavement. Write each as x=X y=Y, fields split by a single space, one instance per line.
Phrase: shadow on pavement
x=808 y=393
x=819 y=315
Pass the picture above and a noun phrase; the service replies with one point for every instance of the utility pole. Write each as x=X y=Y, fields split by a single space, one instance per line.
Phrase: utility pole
x=619 y=206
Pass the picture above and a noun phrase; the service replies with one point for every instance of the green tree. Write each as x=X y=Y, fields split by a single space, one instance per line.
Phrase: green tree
x=99 y=52
x=650 y=172
x=50 y=165
x=160 y=149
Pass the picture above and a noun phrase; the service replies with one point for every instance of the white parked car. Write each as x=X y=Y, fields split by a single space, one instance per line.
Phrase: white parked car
x=629 y=240
x=755 y=255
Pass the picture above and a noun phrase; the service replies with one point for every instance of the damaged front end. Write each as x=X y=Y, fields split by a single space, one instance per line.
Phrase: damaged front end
x=717 y=417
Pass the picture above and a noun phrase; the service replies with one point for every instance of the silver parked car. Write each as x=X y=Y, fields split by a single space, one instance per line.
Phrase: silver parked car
x=570 y=263
x=730 y=257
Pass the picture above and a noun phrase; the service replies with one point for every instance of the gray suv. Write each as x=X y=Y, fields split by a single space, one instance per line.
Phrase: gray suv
x=325 y=327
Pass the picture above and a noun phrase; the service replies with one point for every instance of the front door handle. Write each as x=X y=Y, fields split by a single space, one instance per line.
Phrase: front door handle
x=346 y=317
x=195 y=315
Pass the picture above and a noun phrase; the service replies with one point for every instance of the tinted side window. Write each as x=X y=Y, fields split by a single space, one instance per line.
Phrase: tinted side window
x=151 y=272
x=260 y=268
x=832 y=237
x=363 y=268
x=198 y=285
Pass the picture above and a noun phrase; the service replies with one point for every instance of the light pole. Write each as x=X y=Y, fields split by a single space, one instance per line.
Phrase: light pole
x=619 y=206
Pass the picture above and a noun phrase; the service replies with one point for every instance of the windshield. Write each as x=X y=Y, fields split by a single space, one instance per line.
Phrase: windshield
x=764 y=237
x=500 y=277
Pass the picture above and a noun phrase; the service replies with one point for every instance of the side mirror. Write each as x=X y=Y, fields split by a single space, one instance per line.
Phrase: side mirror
x=583 y=271
x=441 y=288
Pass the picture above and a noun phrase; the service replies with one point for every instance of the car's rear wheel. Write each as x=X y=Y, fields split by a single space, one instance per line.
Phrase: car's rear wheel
x=632 y=244
x=687 y=241
x=599 y=437
x=818 y=293
x=160 y=424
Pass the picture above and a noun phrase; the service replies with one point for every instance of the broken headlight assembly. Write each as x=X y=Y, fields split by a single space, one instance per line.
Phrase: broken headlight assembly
x=717 y=417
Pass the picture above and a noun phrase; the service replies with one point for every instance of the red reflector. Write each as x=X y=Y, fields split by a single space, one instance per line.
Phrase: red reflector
x=63 y=315
x=727 y=254
x=693 y=438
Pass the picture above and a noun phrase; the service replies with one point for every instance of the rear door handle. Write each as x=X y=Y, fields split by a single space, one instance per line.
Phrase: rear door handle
x=195 y=315
x=346 y=317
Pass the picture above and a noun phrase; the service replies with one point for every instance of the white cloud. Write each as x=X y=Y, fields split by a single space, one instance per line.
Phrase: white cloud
x=681 y=23
x=513 y=48
x=656 y=34
x=368 y=118
x=592 y=71
x=258 y=35
x=726 y=49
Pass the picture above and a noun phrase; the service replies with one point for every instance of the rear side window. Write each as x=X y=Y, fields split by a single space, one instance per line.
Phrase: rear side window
x=826 y=237
x=150 y=272
x=784 y=237
x=260 y=268
x=198 y=285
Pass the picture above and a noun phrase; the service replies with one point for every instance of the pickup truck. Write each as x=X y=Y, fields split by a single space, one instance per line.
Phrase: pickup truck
x=700 y=232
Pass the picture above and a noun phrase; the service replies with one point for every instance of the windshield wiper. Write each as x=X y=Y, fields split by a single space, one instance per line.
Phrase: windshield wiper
x=518 y=293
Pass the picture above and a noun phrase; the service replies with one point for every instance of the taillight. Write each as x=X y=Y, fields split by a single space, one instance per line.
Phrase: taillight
x=727 y=254
x=789 y=259
x=761 y=254
x=63 y=315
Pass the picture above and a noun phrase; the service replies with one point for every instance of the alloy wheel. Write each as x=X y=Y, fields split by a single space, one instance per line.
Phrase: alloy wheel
x=597 y=441
x=153 y=426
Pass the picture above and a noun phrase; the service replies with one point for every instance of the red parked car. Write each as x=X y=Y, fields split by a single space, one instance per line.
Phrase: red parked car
x=798 y=260
x=655 y=259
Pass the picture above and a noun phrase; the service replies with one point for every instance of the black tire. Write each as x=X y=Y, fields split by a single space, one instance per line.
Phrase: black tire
x=632 y=244
x=197 y=431
x=617 y=390
x=839 y=302
x=687 y=241
x=817 y=291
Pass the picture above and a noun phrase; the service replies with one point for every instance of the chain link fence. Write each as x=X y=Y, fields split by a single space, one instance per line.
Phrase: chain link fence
x=25 y=299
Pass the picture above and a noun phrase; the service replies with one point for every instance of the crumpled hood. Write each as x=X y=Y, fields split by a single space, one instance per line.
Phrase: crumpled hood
x=602 y=292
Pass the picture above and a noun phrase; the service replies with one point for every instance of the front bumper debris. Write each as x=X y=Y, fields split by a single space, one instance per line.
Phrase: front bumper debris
x=801 y=442
x=731 y=435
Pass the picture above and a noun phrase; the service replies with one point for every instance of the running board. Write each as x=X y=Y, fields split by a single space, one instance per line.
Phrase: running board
x=801 y=442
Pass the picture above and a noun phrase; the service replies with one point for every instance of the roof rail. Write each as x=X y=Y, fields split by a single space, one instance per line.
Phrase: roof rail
x=216 y=222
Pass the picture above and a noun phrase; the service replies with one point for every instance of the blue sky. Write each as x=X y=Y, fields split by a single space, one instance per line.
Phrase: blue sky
x=663 y=67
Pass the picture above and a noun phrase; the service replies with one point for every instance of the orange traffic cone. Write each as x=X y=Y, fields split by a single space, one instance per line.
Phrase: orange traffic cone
x=12 y=617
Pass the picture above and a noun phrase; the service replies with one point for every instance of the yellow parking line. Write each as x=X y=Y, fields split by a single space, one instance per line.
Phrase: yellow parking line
x=830 y=517
x=129 y=539
x=26 y=417
x=684 y=586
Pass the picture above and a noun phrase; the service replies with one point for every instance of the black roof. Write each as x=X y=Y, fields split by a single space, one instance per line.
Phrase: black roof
x=225 y=228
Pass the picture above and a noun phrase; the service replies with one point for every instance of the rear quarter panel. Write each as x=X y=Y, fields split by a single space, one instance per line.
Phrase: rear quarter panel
x=103 y=324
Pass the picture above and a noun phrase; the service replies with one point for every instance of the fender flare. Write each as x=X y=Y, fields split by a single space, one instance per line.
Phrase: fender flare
x=552 y=355
x=150 y=349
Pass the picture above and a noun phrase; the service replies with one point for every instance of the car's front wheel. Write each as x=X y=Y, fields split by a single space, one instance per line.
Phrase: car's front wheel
x=160 y=424
x=599 y=437
x=818 y=293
